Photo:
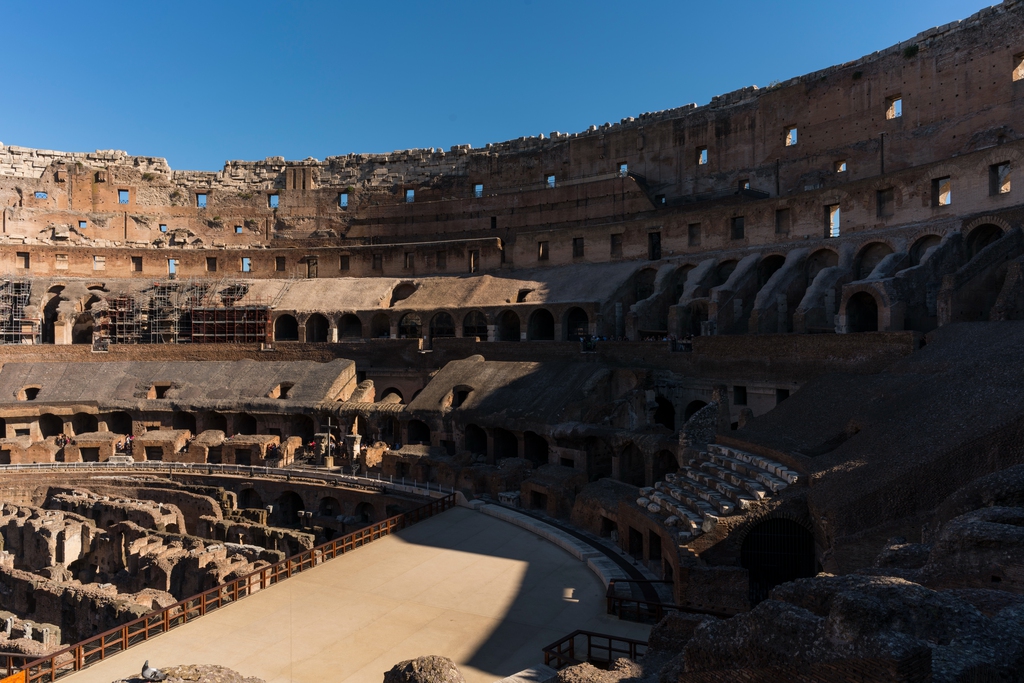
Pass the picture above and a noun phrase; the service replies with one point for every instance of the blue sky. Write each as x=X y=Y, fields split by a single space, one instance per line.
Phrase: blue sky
x=203 y=82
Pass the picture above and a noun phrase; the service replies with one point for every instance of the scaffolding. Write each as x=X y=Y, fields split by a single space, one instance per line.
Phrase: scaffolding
x=15 y=326
x=121 y=322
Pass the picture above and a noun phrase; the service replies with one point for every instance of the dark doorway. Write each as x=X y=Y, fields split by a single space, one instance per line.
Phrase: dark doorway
x=862 y=313
x=350 y=327
x=508 y=327
x=541 y=327
x=476 y=440
x=286 y=328
x=418 y=432
x=249 y=499
x=506 y=445
x=289 y=505
x=317 y=329
x=577 y=324
x=535 y=448
x=776 y=551
x=665 y=413
x=183 y=420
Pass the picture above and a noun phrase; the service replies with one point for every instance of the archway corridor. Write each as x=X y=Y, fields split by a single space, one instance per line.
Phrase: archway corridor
x=481 y=591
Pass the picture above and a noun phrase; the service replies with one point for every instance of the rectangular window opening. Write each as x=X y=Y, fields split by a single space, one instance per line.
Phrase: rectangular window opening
x=163 y=227
x=886 y=202
x=623 y=170
x=551 y=181
x=894 y=107
x=61 y=262
x=211 y=264
x=542 y=251
x=273 y=201
x=378 y=262
x=82 y=224
x=739 y=396
x=441 y=259
x=616 y=245
x=942 y=192
x=791 y=136
x=474 y=260
x=136 y=264
x=494 y=222
x=744 y=185
x=23 y=259
x=122 y=196
x=246 y=264
x=577 y=247
x=344 y=263
x=238 y=229
x=702 y=156
x=999 y=178
x=280 y=264
x=201 y=200
x=172 y=266
x=832 y=220
x=478 y=190
x=343 y=200
x=653 y=246
x=99 y=262
x=410 y=260
x=693 y=235
x=44 y=195
x=841 y=166
x=410 y=196
x=781 y=395
x=737 y=228
x=783 y=221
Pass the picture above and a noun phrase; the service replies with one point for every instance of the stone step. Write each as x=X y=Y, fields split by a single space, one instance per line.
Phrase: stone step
x=748 y=484
x=688 y=503
x=711 y=497
x=777 y=469
x=750 y=472
x=737 y=495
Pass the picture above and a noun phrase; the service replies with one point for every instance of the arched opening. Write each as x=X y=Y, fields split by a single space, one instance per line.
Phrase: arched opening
x=289 y=505
x=84 y=423
x=665 y=413
x=380 y=326
x=50 y=425
x=248 y=499
x=475 y=325
x=981 y=237
x=183 y=420
x=862 y=313
x=507 y=328
x=921 y=247
x=698 y=316
x=506 y=444
x=870 y=256
x=577 y=324
x=723 y=271
x=599 y=457
x=418 y=432
x=768 y=266
x=776 y=551
x=692 y=407
x=329 y=507
x=317 y=328
x=364 y=513
x=535 y=448
x=401 y=292
x=304 y=427
x=664 y=463
x=286 y=328
x=391 y=395
x=119 y=422
x=645 y=283
x=541 y=326
x=245 y=424
x=442 y=325
x=213 y=420
x=476 y=440
x=53 y=300
x=631 y=465
x=350 y=327
x=409 y=327
x=81 y=332
x=819 y=261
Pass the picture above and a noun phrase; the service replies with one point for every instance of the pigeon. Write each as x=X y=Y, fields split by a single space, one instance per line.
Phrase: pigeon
x=151 y=674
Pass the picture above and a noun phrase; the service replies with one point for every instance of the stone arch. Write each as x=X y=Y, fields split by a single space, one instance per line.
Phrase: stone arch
x=577 y=324
x=380 y=326
x=329 y=506
x=317 y=329
x=81 y=332
x=475 y=325
x=506 y=444
x=723 y=271
x=665 y=462
x=869 y=256
x=402 y=292
x=418 y=432
x=391 y=391
x=819 y=261
x=214 y=420
x=921 y=246
x=303 y=426
x=665 y=413
x=249 y=499
x=982 y=236
x=599 y=457
x=286 y=328
x=698 y=314
x=476 y=440
x=245 y=424
x=774 y=551
x=631 y=465
x=862 y=313
x=119 y=422
x=644 y=283
x=508 y=327
x=535 y=448
x=692 y=407
x=442 y=325
x=364 y=513
x=410 y=327
x=289 y=505
x=50 y=425
x=183 y=420
x=541 y=326
x=767 y=267
x=84 y=423
x=351 y=327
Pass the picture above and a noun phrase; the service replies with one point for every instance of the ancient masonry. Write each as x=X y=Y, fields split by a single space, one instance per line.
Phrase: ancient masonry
x=746 y=342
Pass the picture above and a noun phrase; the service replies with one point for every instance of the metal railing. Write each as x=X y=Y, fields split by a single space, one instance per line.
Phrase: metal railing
x=636 y=609
x=600 y=649
x=87 y=652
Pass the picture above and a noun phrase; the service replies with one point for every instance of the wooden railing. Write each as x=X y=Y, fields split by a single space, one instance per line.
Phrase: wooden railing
x=96 y=649
x=600 y=649
x=636 y=609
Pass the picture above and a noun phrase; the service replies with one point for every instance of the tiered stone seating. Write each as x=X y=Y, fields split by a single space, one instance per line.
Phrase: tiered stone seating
x=722 y=481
